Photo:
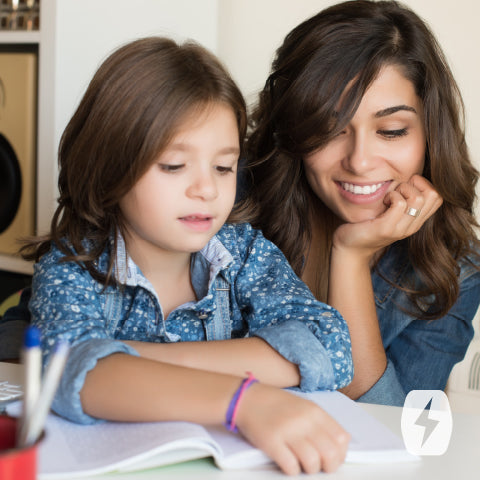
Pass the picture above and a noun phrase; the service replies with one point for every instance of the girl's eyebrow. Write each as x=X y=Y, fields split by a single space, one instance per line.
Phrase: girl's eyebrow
x=230 y=151
x=391 y=110
x=185 y=147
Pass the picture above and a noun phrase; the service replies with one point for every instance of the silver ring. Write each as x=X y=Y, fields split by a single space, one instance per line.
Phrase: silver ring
x=413 y=212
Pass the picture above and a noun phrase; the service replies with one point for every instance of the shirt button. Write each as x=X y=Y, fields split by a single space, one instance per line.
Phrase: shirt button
x=202 y=315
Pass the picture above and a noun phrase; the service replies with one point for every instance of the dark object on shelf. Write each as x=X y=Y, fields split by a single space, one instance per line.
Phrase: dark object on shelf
x=10 y=184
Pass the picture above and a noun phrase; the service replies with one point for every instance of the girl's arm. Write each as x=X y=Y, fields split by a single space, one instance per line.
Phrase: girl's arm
x=294 y=432
x=292 y=339
x=350 y=284
x=104 y=378
x=234 y=357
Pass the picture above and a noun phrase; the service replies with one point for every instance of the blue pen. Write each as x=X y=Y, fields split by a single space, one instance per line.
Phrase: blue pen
x=31 y=356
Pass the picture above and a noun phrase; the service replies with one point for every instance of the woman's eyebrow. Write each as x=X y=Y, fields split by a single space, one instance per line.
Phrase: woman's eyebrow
x=392 y=110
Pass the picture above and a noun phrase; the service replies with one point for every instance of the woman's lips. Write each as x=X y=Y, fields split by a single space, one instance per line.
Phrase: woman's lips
x=363 y=193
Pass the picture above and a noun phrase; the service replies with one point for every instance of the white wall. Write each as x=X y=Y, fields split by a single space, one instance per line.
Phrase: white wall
x=84 y=41
x=251 y=30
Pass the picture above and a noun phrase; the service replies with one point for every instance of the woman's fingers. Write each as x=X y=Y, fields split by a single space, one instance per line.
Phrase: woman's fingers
x=409 y=206
x=432 y=199
x=422 y=201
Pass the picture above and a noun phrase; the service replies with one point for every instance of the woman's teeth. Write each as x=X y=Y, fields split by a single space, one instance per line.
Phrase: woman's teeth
x=359 y=189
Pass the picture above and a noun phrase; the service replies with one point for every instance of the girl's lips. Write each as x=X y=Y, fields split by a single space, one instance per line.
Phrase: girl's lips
x=363 y=193
x=197 y=222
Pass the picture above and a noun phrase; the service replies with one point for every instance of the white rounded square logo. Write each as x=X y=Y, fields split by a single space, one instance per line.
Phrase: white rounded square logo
x=426 y=422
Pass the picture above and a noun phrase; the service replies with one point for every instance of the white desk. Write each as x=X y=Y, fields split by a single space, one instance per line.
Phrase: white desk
x=460 y=462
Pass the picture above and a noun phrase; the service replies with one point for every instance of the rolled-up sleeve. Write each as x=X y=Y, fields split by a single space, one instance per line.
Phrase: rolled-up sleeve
x=387 y=390
x=280 y=309
x=291 y=339
x=81 y=359
x=65 y=306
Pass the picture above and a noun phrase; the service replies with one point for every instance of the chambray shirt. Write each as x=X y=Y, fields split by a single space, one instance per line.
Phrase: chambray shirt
x=420 y=353
x=265 y=299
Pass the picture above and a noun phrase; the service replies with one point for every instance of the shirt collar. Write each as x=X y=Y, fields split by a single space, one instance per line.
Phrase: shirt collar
x=214 y=252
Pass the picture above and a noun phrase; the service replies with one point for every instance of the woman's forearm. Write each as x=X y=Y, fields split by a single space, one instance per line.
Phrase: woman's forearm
x=351 y=293
x=232 y=357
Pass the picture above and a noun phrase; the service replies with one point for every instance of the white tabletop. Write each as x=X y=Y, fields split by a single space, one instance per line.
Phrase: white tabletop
x=460 y=462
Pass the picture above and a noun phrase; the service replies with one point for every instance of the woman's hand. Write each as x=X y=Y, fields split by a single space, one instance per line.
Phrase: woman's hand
x=295 y=433
x=350 y=284
x=395 y=223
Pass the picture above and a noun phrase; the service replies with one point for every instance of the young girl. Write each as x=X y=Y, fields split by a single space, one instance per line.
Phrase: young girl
x=139 y=268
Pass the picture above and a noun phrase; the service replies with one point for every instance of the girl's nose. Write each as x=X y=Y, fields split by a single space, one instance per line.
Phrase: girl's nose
x=203 y=185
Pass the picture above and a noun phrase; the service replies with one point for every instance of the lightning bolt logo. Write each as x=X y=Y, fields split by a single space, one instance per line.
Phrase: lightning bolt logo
x=436 y=422
x=426 y=422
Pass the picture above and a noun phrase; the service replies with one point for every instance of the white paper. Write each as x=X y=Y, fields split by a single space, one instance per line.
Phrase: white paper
x=70 y=450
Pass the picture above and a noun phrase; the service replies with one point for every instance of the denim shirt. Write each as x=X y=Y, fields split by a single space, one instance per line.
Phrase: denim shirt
x=420 y=353
x=238 y=271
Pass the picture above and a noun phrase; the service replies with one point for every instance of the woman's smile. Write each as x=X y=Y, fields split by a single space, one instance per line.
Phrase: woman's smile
x=363 y=193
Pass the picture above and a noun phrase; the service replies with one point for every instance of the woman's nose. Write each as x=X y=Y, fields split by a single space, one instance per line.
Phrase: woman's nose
x=359 y=157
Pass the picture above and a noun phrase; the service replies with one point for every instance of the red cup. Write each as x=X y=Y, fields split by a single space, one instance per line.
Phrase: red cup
x=15 y=463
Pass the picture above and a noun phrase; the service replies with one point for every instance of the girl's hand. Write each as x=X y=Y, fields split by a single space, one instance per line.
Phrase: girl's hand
x=395 y=223
x=295 y=433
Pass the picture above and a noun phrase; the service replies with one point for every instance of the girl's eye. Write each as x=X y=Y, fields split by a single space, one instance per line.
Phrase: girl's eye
x=224 y=170
x=170 y=168
x=393 y=133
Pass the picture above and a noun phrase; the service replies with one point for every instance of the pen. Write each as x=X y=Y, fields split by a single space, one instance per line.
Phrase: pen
x=31 y=356
x=52 y=377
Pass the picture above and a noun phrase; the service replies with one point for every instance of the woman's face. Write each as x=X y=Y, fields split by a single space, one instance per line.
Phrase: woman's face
x=381 y=147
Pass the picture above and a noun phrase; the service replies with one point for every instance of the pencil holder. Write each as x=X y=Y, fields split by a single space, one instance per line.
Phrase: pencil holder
x=15 y=463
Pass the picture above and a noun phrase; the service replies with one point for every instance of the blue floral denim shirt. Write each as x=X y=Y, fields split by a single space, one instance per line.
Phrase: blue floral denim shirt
x=420 y=353
x=244 y=286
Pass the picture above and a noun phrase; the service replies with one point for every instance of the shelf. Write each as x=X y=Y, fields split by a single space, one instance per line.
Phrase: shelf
x=19 y=36
x=15 y=264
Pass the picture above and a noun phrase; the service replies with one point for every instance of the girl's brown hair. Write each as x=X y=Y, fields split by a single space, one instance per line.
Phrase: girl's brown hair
x=131 y=109
x=348 y=44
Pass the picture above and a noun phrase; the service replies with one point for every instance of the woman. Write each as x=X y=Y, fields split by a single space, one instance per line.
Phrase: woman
x=361 y=175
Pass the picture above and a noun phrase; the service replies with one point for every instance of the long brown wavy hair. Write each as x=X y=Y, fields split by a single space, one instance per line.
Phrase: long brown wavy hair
x=131 y=109
x=349 y=43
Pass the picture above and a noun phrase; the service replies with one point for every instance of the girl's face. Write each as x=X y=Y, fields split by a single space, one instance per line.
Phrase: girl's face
x=383 y=146
x=188 y=192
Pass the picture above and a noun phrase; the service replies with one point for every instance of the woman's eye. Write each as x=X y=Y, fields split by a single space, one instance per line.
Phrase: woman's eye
x=170 y=168
x=393 y=133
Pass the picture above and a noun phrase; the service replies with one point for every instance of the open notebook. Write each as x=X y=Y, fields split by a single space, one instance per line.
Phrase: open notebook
x=11 y=383
x=73 y=451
